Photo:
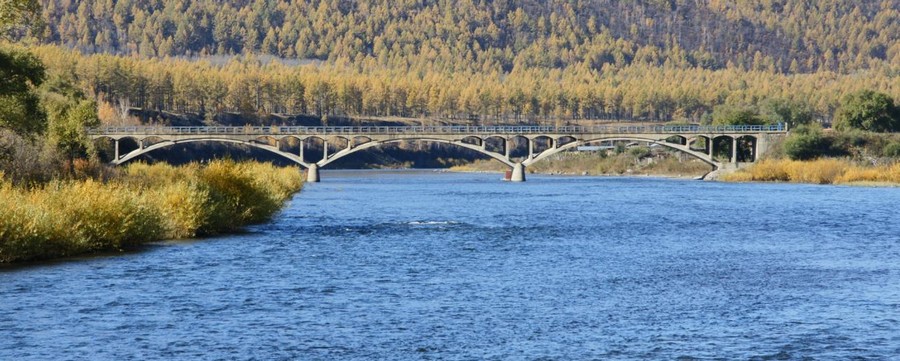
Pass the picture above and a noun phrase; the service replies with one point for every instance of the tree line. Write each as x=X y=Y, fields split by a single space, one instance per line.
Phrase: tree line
x=253 y=86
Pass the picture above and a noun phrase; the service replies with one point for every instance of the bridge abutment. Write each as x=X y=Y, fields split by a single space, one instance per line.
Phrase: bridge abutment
x=312 y=173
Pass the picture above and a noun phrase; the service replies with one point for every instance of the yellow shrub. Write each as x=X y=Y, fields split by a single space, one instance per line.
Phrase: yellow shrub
x=280 y=183
x=894 y=173
x=763 y=171
x=100 y=216
x=860 y=174
x=147 y=176
x=769 y=171
x=185 y=207
x=145 y=203
x=821 y=171
x=742 y=176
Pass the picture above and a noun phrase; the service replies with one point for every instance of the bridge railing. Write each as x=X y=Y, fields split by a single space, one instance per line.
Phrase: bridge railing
x=448 y=129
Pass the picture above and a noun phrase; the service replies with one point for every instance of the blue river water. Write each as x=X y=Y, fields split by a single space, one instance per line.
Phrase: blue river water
x=422 y=265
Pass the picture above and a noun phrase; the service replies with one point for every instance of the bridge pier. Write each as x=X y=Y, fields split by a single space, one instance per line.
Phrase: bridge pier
x=734 y=150
x=518 y=173
x=531 y=149
x=300 y=153
x=762 y=146
x=312 y=173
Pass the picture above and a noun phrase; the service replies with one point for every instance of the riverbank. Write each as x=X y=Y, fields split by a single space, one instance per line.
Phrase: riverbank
x=143 y=203
x=572 y=163
x=820 y=171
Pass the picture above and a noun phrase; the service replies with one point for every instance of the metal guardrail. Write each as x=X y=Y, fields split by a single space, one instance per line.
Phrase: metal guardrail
x=451 y=129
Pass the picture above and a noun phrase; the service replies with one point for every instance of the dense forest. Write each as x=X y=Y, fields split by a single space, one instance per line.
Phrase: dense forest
x=67 y=65
x=473 y=61
x=484 y=36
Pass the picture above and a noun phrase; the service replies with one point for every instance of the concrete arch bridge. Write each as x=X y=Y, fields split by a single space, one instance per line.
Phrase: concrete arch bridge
x=744 y=142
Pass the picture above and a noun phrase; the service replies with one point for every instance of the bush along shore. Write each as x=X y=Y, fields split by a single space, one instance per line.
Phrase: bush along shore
x=144 y=203
x=820 y=171
x=850 y=155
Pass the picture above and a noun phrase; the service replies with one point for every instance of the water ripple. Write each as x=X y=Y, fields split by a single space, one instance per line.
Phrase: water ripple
x=389 y=266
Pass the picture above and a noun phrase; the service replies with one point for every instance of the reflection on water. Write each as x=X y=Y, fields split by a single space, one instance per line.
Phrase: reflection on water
x=428 y=265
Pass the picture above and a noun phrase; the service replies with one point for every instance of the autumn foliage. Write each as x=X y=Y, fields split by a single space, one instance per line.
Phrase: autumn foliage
x=145 y=203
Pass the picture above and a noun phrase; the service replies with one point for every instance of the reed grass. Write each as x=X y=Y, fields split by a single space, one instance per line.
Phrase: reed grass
x=144 y=203
x=820 y=171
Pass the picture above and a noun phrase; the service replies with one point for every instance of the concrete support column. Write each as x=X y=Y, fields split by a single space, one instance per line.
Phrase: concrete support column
x=117 y=149
x=734 y=150
x=312 y=173
x=325 y=150
x=518 y=173
x=278 y=144
x=762 y=146
x=709 y=147
x=301 y=151
x=530 y=148
x=506 y=147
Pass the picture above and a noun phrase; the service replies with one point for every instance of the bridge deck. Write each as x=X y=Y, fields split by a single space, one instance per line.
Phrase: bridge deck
x=443 y=130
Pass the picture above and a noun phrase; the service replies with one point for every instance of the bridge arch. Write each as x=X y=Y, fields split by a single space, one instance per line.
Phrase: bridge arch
x=682 y=148
x=473 y=140
x=337 y=140
x=376 y=143
x=677 y=139
x=268 y=139
x=498 y=142
x=168 y=143
x=566 y=139
x=695 y=139
x=546 y=139
x=361 y=139
x=747 y=148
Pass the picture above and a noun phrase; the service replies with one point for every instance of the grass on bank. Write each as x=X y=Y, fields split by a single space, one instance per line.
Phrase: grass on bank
x=144 y=203
x=820 y=171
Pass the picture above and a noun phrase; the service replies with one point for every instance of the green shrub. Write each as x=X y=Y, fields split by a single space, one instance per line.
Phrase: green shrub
x=639 y=152
x=806 y=143
x=867 y=110
x=892 y=150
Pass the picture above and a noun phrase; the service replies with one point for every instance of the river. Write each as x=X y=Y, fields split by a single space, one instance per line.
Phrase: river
x=430 y=265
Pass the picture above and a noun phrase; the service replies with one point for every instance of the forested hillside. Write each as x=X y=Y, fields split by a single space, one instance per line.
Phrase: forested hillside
x=251 y=87
x=480 y=35
x=484 y=60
